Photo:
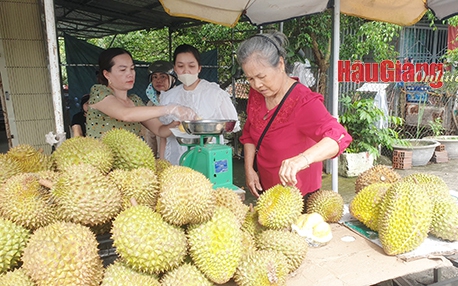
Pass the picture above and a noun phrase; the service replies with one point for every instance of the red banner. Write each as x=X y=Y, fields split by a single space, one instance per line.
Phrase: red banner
x=452 y=37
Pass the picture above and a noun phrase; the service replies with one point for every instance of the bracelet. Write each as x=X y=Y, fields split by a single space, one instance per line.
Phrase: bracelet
x=306 y=160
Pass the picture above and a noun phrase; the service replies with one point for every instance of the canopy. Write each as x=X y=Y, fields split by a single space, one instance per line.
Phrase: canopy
x=401 y=12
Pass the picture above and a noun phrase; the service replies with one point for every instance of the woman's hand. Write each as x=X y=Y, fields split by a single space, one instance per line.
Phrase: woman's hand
x=290 y=167
x=253 y=183
x=181 y=112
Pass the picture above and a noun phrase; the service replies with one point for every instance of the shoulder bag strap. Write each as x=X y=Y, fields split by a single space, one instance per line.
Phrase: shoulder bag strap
x=273 y=116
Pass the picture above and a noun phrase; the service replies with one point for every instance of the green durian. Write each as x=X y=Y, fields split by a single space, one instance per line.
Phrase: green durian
x=83 y=150
x=63 y=253
x=185 y=274
x=376 y=174
x=129 y=150
x=215 y=246
x=16 y=277
x=118 y=274
x=26 y=202
x=228 y=198
x=29 y=159
x=445 y=218
x=279 y=206
x=186 y=196
x=85 y=195
x=291 y=244
x=13 y=239
x=262 y=268
x=141 y=184
x=405 y=217
x=365 y=205
x=8 y=168
x=327 y=203
x=146 y=243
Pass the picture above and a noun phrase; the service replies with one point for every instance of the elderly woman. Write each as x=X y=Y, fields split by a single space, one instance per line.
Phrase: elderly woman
x=302 y=133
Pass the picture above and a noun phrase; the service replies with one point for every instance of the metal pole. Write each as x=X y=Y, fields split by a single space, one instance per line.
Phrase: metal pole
x=335 y=87
x=53 y=55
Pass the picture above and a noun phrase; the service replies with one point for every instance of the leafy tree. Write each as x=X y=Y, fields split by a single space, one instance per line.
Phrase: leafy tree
x=363 y=38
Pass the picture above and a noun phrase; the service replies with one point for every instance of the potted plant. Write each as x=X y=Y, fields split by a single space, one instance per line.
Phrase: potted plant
x=362 y=119
x=422 y=148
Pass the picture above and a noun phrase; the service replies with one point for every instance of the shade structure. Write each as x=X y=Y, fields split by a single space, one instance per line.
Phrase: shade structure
x=228 y=12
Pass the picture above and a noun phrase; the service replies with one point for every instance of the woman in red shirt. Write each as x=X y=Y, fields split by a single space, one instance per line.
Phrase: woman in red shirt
x=303 y=133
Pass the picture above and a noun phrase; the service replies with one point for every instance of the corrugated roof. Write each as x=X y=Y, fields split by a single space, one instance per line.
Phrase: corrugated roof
x=94 y=19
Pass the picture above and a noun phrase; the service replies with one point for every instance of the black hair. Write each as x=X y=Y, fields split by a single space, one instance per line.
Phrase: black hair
x=106 y=62
x=84 y=99
x=185 y=48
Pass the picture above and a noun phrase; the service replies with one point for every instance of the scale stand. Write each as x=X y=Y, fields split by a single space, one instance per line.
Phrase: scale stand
x=212 y=160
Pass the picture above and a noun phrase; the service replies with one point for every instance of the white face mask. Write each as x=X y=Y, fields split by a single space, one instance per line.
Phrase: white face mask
x=188 y=79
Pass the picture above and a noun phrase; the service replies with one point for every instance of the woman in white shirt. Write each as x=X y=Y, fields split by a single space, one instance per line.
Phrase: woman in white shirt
x=206 y=98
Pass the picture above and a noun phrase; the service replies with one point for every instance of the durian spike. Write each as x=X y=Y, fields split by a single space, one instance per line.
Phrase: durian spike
x=46 y=183
x=133 y=201
x=251 y=207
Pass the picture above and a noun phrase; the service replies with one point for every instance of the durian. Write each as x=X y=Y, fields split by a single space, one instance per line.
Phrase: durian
x=228 y=198
x=29 y=159
x=376 y=174
x=279 y=206
x=291 y=244
x=365 y=205
x=186 y=196
x=405 y=216
x=445 y=218
x=129 y=150
x=26 y=202
x=85 y=195
x=141 y=184
x=146 y=243
x=262 y=268
x=8 y=168
x=16 y=277
x=13 y=239
x=216 y=245
x=434 y=185
x=186 y=274
x=327 y=203
x=251 y=222
x=83 y=150
x=161 y=165
x=118 y=274
x=63 y=253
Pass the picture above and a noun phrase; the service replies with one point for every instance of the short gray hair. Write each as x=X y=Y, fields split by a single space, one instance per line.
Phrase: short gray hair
x=268 y=47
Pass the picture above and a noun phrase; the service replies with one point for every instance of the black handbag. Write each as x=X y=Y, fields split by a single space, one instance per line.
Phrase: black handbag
x=255 y=163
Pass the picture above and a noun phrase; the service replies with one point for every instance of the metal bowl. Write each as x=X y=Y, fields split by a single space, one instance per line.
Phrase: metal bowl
x=205 y=127
x=191 y=141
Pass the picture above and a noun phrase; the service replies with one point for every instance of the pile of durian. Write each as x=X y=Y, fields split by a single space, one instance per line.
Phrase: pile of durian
x=167 y=223
x=404 y=211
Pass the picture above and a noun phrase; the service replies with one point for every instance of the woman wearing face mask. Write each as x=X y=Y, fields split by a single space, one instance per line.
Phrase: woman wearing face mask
x=207 y=99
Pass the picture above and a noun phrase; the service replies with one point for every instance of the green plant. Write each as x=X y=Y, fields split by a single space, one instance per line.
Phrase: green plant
x=436 y=126
x=360 y=118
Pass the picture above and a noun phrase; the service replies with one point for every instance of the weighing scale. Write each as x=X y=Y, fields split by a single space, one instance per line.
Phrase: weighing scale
x=214 y=160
